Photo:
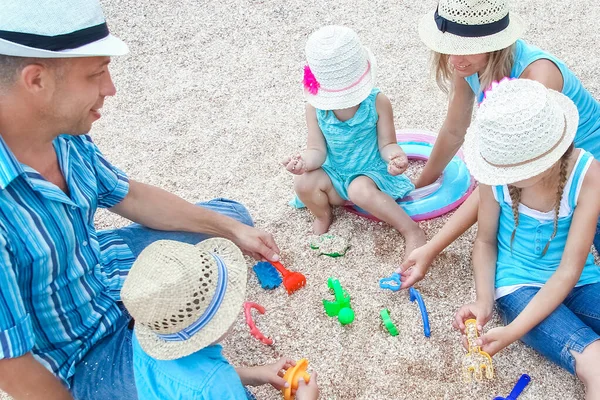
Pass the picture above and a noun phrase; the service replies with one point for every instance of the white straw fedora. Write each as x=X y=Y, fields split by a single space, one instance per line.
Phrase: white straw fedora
x=184 y=297
x=56 y=29
x=340 y=72
x=463 y=27
x=521 y=129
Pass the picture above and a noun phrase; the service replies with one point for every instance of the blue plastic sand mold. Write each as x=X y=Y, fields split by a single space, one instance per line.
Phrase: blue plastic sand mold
x=518 y=389
x=392 y=283
x=267 y=275
x=415 y=295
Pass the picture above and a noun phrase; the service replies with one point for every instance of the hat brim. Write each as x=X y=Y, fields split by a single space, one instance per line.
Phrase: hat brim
x=224 y=317
x=108 y=46
x=488 y=174
x=348 y=98
x=448 y=43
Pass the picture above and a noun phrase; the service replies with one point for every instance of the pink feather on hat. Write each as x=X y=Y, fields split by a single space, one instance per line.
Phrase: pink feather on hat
x=494 y=85
x=310 y=82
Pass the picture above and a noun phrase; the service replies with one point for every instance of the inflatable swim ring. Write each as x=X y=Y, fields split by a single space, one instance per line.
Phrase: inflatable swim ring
x=442 y=196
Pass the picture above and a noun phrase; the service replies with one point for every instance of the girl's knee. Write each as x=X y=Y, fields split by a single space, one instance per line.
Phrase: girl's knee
x=587 y=363
x=360 y=190
x=310 y=181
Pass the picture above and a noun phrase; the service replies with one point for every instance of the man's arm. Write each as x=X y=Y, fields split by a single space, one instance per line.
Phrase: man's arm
x=158 y=209
x=25 y=378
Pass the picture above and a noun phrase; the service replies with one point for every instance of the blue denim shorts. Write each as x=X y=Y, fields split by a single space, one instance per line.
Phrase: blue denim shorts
x=106 y=372
x=573 y=326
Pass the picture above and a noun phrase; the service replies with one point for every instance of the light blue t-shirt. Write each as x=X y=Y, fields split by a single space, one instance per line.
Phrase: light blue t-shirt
x=588 y=131
x=204 y=375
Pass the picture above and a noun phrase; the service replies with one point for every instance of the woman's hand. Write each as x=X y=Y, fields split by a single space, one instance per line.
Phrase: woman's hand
x=294 y=164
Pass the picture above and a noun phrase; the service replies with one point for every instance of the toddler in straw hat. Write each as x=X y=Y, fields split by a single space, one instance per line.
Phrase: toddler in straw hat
x=352 y=153
x=184 y=299
x=539 y=203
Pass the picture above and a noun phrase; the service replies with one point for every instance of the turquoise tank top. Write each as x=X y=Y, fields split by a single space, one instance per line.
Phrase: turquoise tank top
x=588 y=132
x=524 y=265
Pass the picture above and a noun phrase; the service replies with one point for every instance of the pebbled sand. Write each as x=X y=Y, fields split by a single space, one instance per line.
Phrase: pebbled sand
x=209 y=100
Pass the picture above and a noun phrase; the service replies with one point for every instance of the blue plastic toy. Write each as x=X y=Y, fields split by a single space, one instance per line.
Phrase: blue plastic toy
x=519 y=387
x=415 y=295
x=267 y=275
x=392 y=283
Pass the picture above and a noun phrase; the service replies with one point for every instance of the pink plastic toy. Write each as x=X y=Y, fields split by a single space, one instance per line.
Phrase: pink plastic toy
x=248 y=306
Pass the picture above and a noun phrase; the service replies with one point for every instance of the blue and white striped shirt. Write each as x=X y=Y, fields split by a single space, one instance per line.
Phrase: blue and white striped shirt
x=59 y=278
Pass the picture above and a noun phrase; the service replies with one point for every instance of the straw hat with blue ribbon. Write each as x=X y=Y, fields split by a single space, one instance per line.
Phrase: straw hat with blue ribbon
x=56 y=29
x=464 y=27
x=184 y=297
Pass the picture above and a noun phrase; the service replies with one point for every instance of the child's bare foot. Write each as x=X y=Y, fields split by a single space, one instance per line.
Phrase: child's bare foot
x=413 y=239
x=321 y=225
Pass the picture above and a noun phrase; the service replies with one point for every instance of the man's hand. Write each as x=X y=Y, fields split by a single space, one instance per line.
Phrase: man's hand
x=294 y=164
x=269 y=373
x=256 y=243
x=398 y=163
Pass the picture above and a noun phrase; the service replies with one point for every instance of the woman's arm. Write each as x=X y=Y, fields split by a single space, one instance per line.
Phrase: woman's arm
x=452 y=133
x=545 y=72
x=577 y=249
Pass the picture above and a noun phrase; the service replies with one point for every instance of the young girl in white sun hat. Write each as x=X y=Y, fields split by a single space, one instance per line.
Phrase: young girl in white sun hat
x=184 y=300
x=352 y=153
x=539 y=204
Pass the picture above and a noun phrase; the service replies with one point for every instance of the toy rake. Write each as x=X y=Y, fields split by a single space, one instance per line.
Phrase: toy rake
x=476 y=361
x=291 y=280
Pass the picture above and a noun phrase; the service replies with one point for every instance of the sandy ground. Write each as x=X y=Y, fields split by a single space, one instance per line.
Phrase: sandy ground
x=209 y=100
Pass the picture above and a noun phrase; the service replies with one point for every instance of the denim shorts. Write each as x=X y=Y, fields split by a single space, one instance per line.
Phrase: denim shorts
x=573 y=326
x=106 y=372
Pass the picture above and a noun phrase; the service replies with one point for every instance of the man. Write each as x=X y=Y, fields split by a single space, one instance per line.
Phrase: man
x=63 y=332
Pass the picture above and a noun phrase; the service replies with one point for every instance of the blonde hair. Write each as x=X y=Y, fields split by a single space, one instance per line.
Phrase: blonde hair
x=499 y=65
x=515 y=196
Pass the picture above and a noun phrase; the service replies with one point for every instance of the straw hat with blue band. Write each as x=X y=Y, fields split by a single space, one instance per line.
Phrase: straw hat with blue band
x=464 y=27
x=184 y=297
x=56 y=29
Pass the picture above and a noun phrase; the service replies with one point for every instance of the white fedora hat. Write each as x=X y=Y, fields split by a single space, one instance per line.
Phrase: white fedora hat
x=340 y=72
x=521 y=129
x=56 y=29
x=184 y=297
x=463 y=27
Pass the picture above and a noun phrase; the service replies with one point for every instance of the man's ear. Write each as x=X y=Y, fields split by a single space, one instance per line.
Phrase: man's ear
x=36 y=78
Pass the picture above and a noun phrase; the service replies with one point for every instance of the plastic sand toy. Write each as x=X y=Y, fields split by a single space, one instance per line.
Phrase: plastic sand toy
x=476 y=361
x=292 y=375
x=518 y=389
x=291 y=280
x=248 y=306
x=339 y=308
x=388 y=323
x=267 y=275
x=330 y=245
x=415 y=295
x=392 y=282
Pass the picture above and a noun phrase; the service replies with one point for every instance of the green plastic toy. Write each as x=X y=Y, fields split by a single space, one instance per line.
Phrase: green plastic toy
x=388 y=323
x=339 y=308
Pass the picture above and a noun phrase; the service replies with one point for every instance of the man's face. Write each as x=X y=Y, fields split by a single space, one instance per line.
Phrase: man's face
x=81 y=84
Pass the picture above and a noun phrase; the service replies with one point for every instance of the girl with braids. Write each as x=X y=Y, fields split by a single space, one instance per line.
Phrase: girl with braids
x=539 y=203
x=476 y=42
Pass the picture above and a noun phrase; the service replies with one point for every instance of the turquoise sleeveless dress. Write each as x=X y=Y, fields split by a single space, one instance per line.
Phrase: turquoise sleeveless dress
x=352 y=151
x=523 y=264
x=588 y=132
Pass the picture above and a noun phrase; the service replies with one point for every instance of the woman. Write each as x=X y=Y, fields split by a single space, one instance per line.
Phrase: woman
x=475 y=43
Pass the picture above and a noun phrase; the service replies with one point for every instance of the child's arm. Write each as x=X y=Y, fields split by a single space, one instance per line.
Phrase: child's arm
x=415 y=266
x=391 y=153
x=560 y=284
x=485 y=253
x=263 y=374
x=316 y=149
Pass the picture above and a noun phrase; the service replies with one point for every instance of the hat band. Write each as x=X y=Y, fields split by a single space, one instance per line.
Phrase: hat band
x=544 y=154
x=67 y=41
x=464 y=30
x=351 y=86
x=210 y=311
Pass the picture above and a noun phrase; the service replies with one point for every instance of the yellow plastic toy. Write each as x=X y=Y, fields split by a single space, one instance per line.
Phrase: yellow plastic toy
x=476 y=360
x=292 y=375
